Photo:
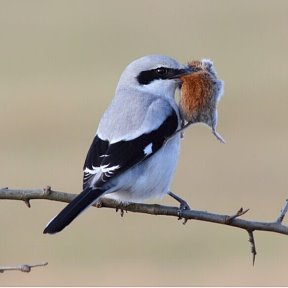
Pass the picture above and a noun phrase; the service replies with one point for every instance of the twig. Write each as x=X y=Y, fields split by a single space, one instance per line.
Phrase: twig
x=253 y=245
x=23 y=267
x=283 y=212
x=239 y=213
x=155 y=209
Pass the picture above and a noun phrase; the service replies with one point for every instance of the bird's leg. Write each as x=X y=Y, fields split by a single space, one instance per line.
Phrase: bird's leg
x=121 y=207
x=183 y=205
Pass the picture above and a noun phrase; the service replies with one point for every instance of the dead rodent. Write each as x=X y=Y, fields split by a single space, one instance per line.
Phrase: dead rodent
x=200 y=93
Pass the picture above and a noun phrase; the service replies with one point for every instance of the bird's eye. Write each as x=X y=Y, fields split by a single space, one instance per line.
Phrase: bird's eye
x=162 y=71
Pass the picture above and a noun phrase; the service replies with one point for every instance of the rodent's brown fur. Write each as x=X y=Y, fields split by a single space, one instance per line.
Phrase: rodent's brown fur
x=196 y=91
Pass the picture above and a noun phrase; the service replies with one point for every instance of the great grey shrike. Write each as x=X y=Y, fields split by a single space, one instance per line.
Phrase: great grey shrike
x=131 y=157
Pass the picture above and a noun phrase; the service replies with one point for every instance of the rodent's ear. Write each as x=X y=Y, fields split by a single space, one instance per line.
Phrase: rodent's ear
x=196 y=65
x=207 y=63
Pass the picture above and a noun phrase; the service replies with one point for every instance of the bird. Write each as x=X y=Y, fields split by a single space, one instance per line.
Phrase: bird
x=133 y=155
x=201 y=91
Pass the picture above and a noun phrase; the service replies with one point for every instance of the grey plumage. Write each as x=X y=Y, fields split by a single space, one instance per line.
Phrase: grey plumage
x=130 y=158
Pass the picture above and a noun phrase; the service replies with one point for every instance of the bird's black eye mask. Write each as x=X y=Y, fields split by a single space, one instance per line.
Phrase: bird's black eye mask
x=163 y=73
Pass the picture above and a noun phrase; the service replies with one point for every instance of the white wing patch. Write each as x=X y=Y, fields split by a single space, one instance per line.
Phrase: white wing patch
x=109 y=170
x=148 y=149
x=105 y=169
x=92 y=171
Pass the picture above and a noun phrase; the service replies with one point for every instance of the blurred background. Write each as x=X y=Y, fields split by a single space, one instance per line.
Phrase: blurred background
x=60 y=64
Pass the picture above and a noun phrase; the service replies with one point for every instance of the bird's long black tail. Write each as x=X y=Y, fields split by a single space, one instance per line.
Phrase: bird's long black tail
x=72 y=210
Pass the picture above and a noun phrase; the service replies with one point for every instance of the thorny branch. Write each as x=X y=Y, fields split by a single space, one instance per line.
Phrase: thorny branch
x=23 y=267
x=155 y=209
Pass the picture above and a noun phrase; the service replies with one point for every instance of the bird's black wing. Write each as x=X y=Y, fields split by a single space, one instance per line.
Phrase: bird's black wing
x=117 y=157
x=107 y=161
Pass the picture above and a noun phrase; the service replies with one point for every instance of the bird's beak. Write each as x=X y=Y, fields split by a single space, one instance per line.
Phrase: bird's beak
x=181 y=72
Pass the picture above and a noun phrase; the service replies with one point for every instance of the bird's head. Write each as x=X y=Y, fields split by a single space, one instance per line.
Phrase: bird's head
x=156 y=74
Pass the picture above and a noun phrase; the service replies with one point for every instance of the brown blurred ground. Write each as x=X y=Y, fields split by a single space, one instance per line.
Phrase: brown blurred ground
x=60 y=63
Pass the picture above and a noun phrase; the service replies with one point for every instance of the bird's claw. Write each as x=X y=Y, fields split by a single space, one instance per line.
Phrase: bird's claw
x=120 y=207
x=183 y=206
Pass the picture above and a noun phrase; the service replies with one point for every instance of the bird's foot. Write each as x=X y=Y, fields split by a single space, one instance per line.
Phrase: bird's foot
x=121 y=207
x=183 y=206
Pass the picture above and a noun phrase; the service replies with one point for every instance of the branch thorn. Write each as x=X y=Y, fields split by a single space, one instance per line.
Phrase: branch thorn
x=239 y=213
x=282 y=213
x=253 y=245
x=27 y=202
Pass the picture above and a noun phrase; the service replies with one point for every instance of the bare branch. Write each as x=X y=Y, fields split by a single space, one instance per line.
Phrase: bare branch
x=155 y=209
x=23 y=267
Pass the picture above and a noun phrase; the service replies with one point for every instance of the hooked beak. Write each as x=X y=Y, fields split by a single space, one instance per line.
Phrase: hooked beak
x=181 y=72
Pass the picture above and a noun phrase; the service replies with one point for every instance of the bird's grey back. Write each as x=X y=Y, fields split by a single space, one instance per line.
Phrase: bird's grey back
x=131 y=102
x=115 y=122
